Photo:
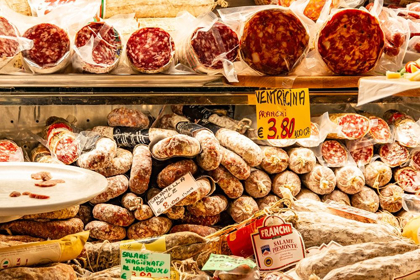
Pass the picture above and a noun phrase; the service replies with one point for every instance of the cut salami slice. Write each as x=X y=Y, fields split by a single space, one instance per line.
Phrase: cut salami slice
x=274 y=41
x=351 y=126
x=408 y=179
x=379 y=130
x=10 y=152
x=351 y=42
x=394 y=154
x=98 y=48
x=9 y=47
x=363 y=155
x=150 y=50
x=334 y=153
x=51 y=50
x=313 y=140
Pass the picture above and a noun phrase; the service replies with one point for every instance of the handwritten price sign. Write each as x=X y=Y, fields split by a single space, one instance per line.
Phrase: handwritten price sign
x=283 y=113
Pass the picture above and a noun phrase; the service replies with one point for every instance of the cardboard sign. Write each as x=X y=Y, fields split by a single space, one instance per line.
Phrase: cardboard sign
x=172 y=194
x=144 y=264
x=277 y=245
x=283 y=114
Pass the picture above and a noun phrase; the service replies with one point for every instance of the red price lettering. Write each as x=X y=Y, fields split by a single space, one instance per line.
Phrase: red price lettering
x=273 y=129
x=165 y=204
x=287 y=128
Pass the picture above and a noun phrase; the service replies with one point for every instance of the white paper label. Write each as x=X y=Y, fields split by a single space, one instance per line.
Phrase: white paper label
x=277 y=244
x=26 y=256
x=412 y=276
x=172 y=194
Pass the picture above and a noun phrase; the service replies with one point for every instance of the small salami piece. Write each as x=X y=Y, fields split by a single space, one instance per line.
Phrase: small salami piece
x=313 y=140
x=38 y=196
x=43 y=175
x=363 y=155
x=377 y=174
x=230 y=185
x=143 y=213
x=308 y=194
x=153 y=227
x=100 y=157
x=176 y=146
x=226 y=122
x=51 y=49
x=367 y=200
x=209 y=206
x=85 y=214
x=10 y=151
x=273 y=55
x=128 y=118
x=393 y=154
x=175 y=212
x=200 y=230
x=243 y=208
x=301 y=160
x=104 y=231
x=258 y=184
x=9 y=46
x=334 y=153
x=379 y=130
x=150 y=50
x=174 y=171
x=141 y=170
x=275 y=160
x=408 y=179
x=131 y=202
x=204 y=188
x=267 y=201
x=288 y=180
x=113 y=214
x=117 y=185
x=15 y=194
x=104 y=45
x=321 y=180
x=200 y=220
x=119 y=165
x=415 y=159
x=235 y=164
x=350 y=126
x=391 y=198
x=351 y=42
x=350 y=179
x=337 y=196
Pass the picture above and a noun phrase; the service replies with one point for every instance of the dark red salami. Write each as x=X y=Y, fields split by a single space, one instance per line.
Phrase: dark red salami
x=362 y=155
x=408 y=179
x=106 y=47
x=8 y=47
x=379 y=130
x=334 y=153
x=313 y=9
x=351 y=126
x=10 y=152
x=273 y=41
x=415 y=160
x=208 y=45
x=150 y=50
x=51 y=44
x=393 y=154
x=351 y=42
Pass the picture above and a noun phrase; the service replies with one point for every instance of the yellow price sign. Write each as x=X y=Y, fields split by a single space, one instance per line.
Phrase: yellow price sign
x=283 y=113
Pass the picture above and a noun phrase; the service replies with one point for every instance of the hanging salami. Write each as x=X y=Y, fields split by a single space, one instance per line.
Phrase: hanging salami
x=408 y=179
x=351 y=42
x=9 y=47
x=274 y=41
x=150 y=50
x=334 y=153
x=350 y=126
x=98 y=48
x=363 y=155
x=394 y=154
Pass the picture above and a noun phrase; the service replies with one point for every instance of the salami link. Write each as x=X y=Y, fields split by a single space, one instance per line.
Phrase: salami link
x=204 y=188
x=209 y=206
x=321 y=180
x=391 y=198
x=350 y=179
x=408 y=179
x=275 y=160
x=394 y=154
x=243 y=208
x=362 y=156
x=211 y=155
x=391 y=116
x=175 y=212
x=200 y=220
x=366 y=199
x=100 y=157
x=155 y=226
x=141 y=170
x=150 y=50
x=273 y=41
x=104 y=231
x=308 y=194
x=101 y=44
x=174 y=171
x=200 y=230
x=144 y=212
x=9 y=47
x=267 y=201
x=128 y=118
x=51 y=50
x=288 y=180
x=52 y=271
x=10 y=152
x=131 y=202
x=334 y=153
x=351 y=42
x=301 y=160
x=337 y=196
x=230 y=185
x=377 y=174
x=119 y=165
x=379 y=130
x=258 y=184
x=407 y=132
x=113 y=214
x=235 y=164
x=176 y=146
x=350 y=126
x=117 y=185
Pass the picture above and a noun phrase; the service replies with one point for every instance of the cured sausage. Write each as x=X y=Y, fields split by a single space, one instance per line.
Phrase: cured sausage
x=267 y=201
x=113 y=214
x=176 y=146
x=85 y=213
x=393 y=154
x=175 y=212
x=10 y=151
x=100 y=157
x=155 y=226
x=119 y=165
x=308 y=194
x=235 y=164
x=350 y=126
x=58 y=271
x=408 y=179
x=301 y=160
x=128 y=118
x=407 y=132
x=366 y=199
x=275 y=160
x=379 y=130
x=211 y=154
x=144 y=212
x=224 y=121
x=391 y=116
x=62 y=214
x=150 y=50
x=363 y=155
x=209 y=206
x=334 y=153
x=337 y=196
x=415 y=159
x=174 y=171
x=243 y=208
x=350 y=179
x=313 y=140
x=200 y=220
x=230 y=185
x=321 y=180
x=117 y=185
x=377 y=174
x=131 y=201
x=141 y=170
x=259 y=46
x=312 y=10
x=204 y=188
x=346 y=50
x=200 y=230
x=390 y=198
x=9 y=47
x=258 y=184
x=288 y=180
x=104 y=231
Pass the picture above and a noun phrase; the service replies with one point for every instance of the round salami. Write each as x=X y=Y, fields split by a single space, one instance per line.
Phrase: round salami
x=350 y=179
x=391 y=198
x=408 y=179
x=10 y=152
x=273 y=41
x=313 y=9
x=363 y=155
x=377 y=174
x=351 y=42
x=379 y=130
x=415 y=159
x=51 y=50
x=98 y=47
x=313 y=140
x=367 y=200
x=350 y=126
x=150 y=50
x=8 y=47
x=393 y=154
x=334 y=153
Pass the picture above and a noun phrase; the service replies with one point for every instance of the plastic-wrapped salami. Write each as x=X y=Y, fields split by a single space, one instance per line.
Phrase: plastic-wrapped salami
x=230 y=185
x=367 y=200
x=337 y=196
x=407 y=178
x=393 y=154
x=407 y=132
x=141 y=170
x=334 y=153
x=346 y=50
x=379 y=130
x=9 y=43
x=321 y=180
x=258 y=184
x=350 y=179
x=243 y=208
x=275 y=160
x=390 y=198
x=150 y=50
x=301 y=160
x=313 y=140
x=377 y=174
x=415 y=159
x=97 y=49
x=42 y=155
x=362 y=155
x=286 y=179
x=307 y=194
x=10 y=152
x=350 y=126
x=314 y=7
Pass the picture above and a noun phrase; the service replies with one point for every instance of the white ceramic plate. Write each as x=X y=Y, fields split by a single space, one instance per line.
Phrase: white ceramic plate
x=80 y=186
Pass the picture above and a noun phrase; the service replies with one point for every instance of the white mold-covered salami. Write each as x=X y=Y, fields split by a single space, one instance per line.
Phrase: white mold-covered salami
x=334 y=153
x=119 y=165
x=301 y=160
x=128 y=118
x=204 y=188
x=104 y=231
x=320 y=180
x=141 y=170
x=243 y=208
x=275 y=160
x=117 y=185
x=211 y=154
x=113 y=214
x=144 y=212
x=267 y=201
x=176 y=146
x=350 y=179
x=393 y=154
x=131 y=201
x=235 y=164
x=155 y=226
x=366 y=199
x=307 y=194
x=337 y=196
x=230 y=185
x=350 y=126
x=286 y=179
x=258 y=184
x=209 y=206
x=390 y=198
x=377 y=174
x=174 y=171
x=100 y=157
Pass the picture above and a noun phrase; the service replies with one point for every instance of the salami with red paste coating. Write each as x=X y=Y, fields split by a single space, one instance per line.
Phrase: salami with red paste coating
x=150 y=50
x=351 y=42
x=363 y=155
x=350 y=126
x=8 y=47
x=104 y=47
x=394 y=154
x=273 y=41
x=10 y=152
x=408 y=179
x=334 y=153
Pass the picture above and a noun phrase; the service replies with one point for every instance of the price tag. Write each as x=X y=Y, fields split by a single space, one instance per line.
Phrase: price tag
x=145 y=264
x=283 y=113
x=172 y=194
